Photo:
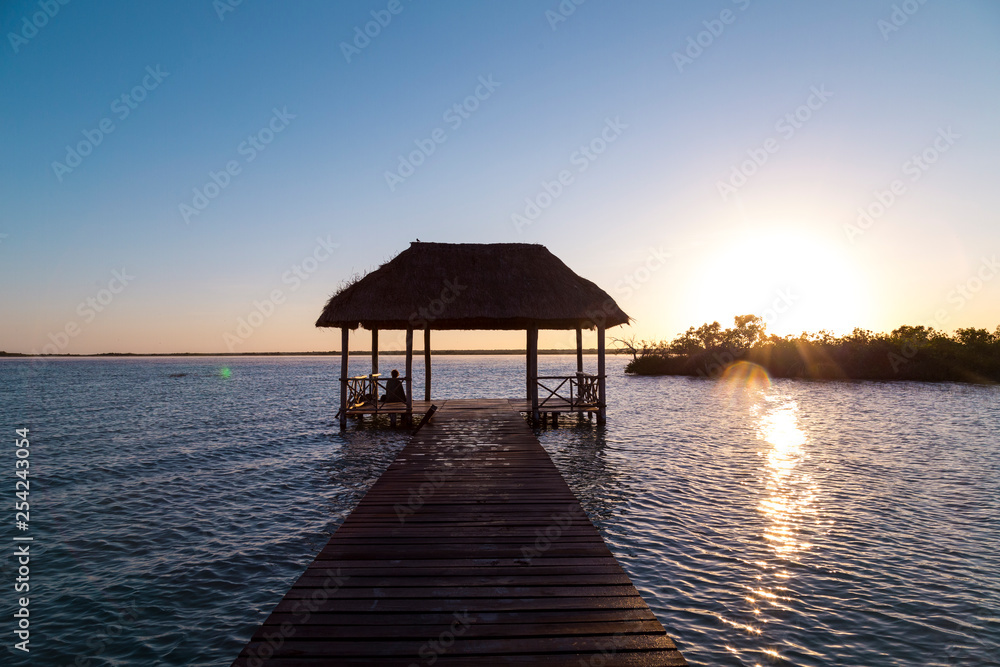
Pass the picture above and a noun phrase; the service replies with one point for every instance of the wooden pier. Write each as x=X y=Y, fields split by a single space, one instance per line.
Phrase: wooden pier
x=469 y=550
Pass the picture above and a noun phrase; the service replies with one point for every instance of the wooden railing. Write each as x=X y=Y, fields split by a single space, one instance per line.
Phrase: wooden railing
x=366 y=390
x=579 y=390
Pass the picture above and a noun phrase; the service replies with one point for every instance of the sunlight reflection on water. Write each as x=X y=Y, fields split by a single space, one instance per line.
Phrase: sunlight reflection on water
x=787 y=501
x=791 y=493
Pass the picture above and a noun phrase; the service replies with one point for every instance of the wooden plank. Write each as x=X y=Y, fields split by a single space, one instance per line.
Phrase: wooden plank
x=397 y=630
x=605 y=659
x=491 y=620
x=316 y=579
x=586 y=644
x=449 y=605
x=469 y=550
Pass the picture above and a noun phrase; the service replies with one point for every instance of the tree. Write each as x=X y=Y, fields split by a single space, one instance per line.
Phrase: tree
x=975 y=337
x=710 y=335
x=749 y=330
x=687 y=343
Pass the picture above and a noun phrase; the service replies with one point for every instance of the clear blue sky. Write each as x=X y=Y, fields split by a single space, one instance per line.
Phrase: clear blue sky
x=701 y=195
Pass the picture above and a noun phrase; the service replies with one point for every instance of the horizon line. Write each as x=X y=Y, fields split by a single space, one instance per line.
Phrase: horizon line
x=337 y=353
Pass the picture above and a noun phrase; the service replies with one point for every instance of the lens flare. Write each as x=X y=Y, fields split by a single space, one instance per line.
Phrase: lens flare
x=747 y=374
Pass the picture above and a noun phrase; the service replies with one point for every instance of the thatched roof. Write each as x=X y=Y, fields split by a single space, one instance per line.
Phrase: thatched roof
x=472 y=286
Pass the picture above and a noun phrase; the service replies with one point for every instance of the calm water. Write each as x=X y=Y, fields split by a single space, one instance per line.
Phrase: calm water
x=795 y=523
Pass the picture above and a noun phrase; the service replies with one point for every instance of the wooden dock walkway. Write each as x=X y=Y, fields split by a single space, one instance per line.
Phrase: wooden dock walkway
x=469 y=550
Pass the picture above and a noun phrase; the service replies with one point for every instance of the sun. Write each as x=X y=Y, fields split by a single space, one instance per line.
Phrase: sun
x=794 y=280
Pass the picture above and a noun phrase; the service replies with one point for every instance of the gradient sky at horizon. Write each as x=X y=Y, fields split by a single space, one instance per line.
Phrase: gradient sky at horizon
x=645 y=219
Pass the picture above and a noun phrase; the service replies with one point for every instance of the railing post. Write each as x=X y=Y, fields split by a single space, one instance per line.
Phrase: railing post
x=343 y=377
x=602 y=409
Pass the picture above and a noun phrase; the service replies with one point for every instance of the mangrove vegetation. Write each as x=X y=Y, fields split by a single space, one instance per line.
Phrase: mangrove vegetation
x=906 y=353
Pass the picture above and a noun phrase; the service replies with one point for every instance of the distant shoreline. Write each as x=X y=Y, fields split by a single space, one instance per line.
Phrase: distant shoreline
x=353 y=353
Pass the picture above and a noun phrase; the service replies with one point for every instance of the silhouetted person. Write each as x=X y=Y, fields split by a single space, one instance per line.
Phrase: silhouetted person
x=394 y=392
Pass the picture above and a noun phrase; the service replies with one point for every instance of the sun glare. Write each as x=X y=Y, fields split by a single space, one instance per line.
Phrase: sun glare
x=795 y=281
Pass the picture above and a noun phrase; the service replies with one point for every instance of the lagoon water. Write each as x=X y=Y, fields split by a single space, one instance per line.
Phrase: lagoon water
x=174 y=501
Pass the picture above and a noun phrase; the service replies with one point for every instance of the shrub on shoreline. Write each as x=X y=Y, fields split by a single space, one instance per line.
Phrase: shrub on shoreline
x=907 y=353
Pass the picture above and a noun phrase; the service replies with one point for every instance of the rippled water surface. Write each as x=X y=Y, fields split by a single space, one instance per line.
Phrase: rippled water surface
x=174 y=501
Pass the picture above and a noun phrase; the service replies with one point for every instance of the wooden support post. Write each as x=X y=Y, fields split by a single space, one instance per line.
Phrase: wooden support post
x=427 y=362
x=409 y=377
x=344 y=331
x=579 y=350
x=602 y=409
x=533 y=372
x=527 y=366
x=373 y=381
x=579 y=363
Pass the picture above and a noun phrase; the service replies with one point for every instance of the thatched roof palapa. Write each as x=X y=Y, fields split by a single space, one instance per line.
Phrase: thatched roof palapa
x=472 y=286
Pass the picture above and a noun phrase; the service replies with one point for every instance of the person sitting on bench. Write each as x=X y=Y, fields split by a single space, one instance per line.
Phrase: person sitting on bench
x=394 y=392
